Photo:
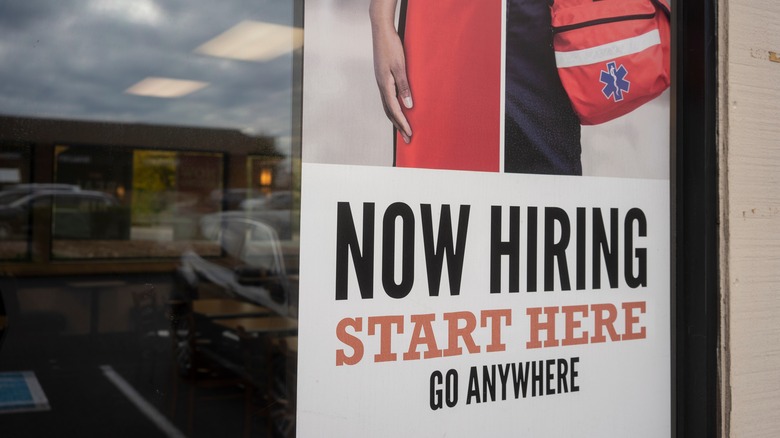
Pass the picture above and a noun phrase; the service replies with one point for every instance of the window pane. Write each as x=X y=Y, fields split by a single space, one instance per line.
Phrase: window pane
x=148 y=225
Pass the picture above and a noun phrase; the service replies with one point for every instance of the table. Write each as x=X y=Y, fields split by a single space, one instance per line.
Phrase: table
x=95 y=289
x=271 y=324
x=226 y=308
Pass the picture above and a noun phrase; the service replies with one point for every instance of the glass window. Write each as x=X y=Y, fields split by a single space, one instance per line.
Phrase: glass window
x=148 y=216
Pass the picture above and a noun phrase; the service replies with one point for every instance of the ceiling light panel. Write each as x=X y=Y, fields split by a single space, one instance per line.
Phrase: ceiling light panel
x=165 y=87
x=254 y=41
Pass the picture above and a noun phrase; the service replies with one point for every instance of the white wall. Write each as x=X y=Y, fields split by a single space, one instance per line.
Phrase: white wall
x=750 y=214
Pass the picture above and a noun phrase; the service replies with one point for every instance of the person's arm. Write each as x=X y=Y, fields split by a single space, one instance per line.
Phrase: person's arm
x=390 y=65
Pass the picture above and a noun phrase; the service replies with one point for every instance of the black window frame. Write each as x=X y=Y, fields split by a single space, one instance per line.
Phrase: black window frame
x=695 y=212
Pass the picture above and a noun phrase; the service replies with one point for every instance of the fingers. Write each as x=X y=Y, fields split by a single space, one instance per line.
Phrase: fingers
x=396 y=116
x=392 y=107
x=405 y=96
x=390 y=69
x=402 y=84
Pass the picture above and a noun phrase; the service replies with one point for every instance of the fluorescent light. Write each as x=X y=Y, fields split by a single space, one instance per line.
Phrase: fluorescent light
x=165 y=87
x=254 y=41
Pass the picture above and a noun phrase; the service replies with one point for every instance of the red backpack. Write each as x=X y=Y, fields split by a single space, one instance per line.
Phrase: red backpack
x=612 y=55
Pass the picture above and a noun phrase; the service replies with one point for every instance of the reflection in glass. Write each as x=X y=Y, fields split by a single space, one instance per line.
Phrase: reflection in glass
x=15 y=169
x=147 y=212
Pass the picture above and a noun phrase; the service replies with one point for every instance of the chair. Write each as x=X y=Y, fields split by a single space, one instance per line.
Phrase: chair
x=285 y=387
x=271 y=366
x=258 y=378
x=194 y=363
x=147 y=317
x=3 y=321
x=145 y=309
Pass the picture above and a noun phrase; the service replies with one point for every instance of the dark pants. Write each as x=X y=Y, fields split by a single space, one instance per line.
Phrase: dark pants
x=542 y=132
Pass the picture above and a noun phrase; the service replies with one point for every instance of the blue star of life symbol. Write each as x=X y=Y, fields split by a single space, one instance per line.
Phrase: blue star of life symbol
x=614 y=80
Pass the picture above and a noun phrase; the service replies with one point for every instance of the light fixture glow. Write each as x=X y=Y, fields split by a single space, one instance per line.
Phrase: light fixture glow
x=165 y=87
x=254 y=41
x=266 y=177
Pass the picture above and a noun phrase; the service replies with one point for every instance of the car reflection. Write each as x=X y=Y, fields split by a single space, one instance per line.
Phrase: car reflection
x=18 y=191
x=252 y=268
x=76 y=214
x=278 y=220
x=278 y=200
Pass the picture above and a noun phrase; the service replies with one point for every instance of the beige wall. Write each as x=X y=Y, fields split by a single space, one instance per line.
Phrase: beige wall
x=750 y=215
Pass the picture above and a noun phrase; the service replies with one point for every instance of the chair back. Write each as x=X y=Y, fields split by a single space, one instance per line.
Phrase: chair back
x=182 y=333
x=3 y=321
x=145 y=309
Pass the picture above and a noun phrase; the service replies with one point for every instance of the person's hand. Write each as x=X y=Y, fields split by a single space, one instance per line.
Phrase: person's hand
x=390 y=66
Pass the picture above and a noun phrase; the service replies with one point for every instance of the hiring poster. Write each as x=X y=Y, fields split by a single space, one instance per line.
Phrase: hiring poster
x=485 y=219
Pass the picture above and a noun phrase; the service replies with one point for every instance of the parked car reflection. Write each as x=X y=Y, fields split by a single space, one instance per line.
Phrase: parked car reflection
x=18 y=191
x=278 y=200
x=76 y=214
x=252 y=268
x=231 y=199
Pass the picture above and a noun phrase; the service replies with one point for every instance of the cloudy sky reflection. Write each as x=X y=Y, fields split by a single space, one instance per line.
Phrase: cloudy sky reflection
x=74 y=59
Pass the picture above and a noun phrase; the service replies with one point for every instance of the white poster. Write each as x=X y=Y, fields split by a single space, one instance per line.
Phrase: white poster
x=499 y=263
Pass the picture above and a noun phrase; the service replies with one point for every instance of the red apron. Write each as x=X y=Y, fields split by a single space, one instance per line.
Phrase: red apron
x=453 y=59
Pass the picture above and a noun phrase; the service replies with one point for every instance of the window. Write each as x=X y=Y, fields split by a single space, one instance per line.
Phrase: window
x=147 y=199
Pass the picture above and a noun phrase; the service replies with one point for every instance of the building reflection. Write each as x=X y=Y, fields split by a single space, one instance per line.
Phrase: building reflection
x=165 y=256
x=157 y=181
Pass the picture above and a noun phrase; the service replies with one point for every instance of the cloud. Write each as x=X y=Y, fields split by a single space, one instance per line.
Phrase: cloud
x=138 y=11
x=73 y=60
